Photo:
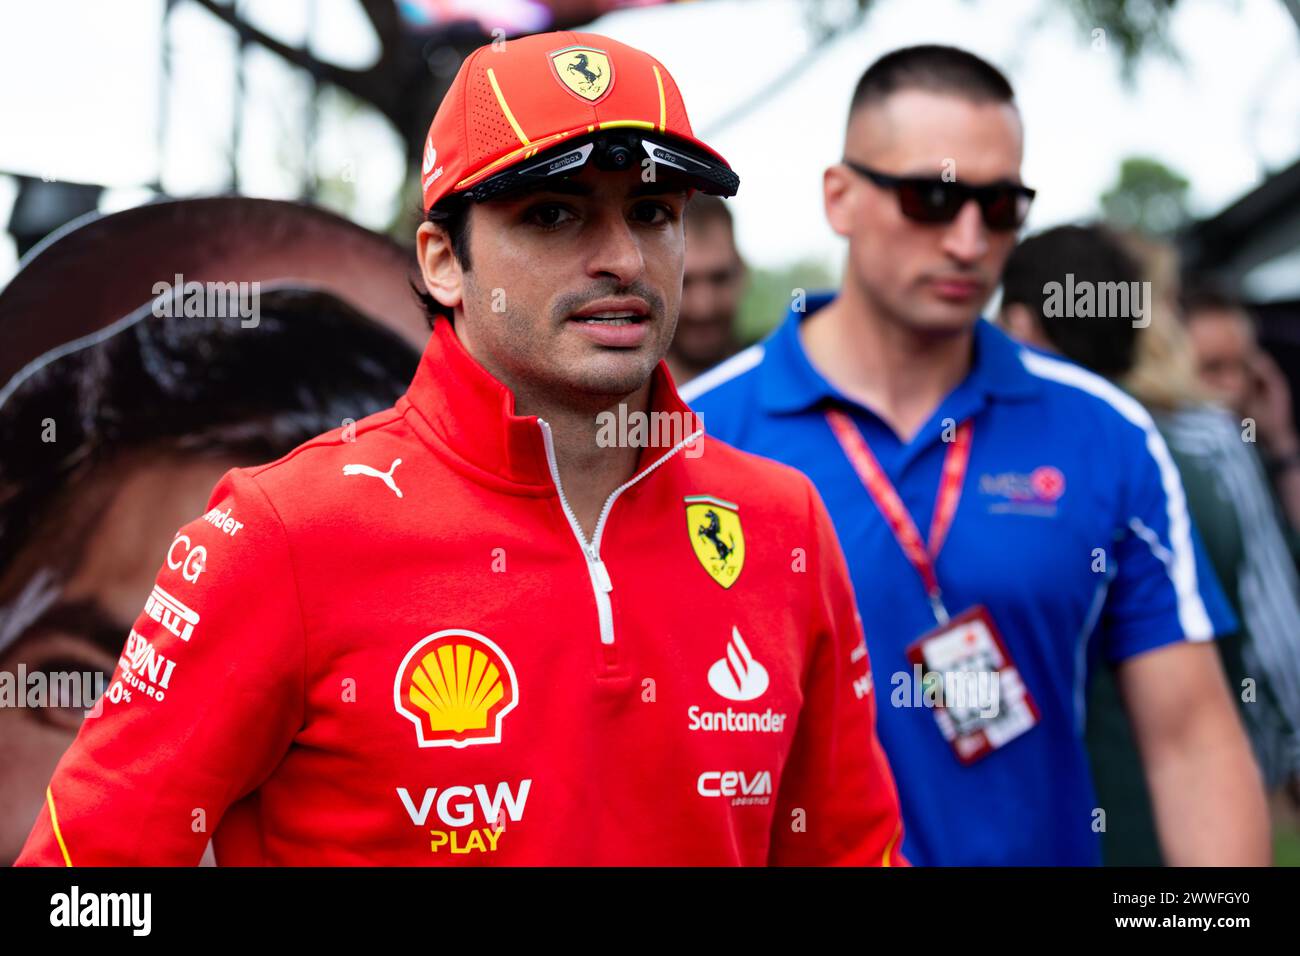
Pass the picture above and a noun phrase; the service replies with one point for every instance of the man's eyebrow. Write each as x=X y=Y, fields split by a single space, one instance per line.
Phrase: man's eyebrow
x=85 y=618
x=568 y=187
x=659 y=189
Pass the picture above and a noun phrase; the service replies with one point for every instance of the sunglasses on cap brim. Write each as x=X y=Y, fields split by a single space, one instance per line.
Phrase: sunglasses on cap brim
x=611 y=153
x=1003 y=205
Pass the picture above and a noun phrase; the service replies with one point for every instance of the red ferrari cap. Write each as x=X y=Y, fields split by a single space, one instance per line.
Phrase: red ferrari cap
x=554 y=98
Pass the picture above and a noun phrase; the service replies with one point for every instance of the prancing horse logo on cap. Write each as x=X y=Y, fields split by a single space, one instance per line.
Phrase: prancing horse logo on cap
x=584 y=71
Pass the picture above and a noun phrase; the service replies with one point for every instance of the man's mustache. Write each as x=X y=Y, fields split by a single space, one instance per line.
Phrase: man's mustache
x=572 y=302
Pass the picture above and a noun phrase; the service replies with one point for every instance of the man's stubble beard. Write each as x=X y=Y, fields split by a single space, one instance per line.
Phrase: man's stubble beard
x=539 y=375
x=908 y=312
x=524 y=358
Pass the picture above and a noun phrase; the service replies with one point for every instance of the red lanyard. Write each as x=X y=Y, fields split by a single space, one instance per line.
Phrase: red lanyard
x=891 y=506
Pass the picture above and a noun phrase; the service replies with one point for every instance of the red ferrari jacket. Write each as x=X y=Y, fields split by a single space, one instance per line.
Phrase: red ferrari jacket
x=398 y=647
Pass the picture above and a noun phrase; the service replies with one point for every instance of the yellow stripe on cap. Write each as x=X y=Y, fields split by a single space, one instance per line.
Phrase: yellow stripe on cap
x=663 y=108
x=505 y=108
x=518 y=152
x=54 y=824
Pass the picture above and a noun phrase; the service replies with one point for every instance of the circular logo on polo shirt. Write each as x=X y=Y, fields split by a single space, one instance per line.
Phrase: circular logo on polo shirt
x=1048 y=482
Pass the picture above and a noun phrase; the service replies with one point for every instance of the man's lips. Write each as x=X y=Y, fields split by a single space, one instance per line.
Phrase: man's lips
x=613 y=322
x=956 y=289
x=606 y=309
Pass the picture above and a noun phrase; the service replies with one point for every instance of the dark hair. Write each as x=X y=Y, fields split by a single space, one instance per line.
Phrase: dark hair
x=451 y=216
x=1090 y=254
x=1212 y=297
x=200 y=386
x=705 y=210
x=937 y=69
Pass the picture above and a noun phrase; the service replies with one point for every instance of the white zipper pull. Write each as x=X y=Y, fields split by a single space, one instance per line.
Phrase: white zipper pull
x=602 y=585
x=600 y=574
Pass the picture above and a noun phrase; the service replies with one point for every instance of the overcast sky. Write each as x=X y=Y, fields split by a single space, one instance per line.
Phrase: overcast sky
x=79 y=100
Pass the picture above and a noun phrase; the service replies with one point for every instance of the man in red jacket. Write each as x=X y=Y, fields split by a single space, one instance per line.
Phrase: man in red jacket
x=525 y=616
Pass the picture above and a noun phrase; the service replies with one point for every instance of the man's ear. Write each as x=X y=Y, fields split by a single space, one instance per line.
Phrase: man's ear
x=837 y=198
x=442 y=273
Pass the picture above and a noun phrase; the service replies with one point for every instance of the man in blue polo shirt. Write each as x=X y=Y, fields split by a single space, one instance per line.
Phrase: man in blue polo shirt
x=1011 y=520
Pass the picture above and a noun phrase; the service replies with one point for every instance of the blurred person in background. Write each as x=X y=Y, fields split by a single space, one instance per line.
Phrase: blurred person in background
x=115 y=421
x=123 y=257
x=1169 y=378
x=147 y=418
x=889 y=395
x=713 y=282
x=1227 y=498
x=1245 y=378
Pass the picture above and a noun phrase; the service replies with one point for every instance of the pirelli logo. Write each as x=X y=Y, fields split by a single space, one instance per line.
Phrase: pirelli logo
x=171 y=613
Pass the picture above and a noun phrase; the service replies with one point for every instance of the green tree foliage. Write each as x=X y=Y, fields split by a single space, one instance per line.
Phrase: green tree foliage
x=1149 y=197
x=1131 y=28
x=770 y=292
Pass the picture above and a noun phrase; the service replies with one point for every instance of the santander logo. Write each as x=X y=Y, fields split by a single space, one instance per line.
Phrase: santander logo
x=426 y=168
x=737 y=676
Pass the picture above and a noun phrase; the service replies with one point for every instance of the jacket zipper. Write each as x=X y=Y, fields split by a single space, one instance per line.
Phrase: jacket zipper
x=601 y=585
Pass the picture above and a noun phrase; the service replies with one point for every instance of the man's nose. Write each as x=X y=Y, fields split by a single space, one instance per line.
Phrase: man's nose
x=966 y=237
x=614 y=250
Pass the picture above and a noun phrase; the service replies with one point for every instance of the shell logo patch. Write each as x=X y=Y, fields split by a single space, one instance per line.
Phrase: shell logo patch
x=584 y=71
x=456 y=687
x=716 y=536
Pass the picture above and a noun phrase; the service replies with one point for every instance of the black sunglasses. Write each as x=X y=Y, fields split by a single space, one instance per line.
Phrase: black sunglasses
x=1004 y=205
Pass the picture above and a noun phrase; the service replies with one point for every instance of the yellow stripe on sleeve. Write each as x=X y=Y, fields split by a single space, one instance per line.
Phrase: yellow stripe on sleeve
x=884 y=860
x=54 y=824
